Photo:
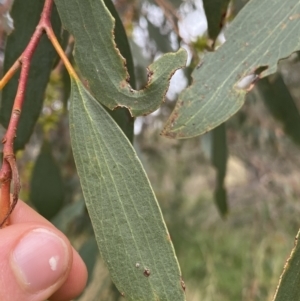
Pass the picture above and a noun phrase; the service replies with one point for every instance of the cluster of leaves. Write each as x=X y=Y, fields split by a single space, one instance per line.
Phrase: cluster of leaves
x=129 y=228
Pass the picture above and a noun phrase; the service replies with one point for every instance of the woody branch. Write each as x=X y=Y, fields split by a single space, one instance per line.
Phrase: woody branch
x=9 y=171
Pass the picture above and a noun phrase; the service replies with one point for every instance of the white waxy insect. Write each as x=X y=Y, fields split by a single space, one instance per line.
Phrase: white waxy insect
x=246 y=82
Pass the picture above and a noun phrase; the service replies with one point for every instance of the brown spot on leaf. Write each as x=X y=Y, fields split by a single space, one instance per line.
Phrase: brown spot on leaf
x=294 y=17
x=123 y=84
x=199 y=65
x=86 y=83
x=169 y=135
x=149 y=74
x=146 y=273
x=181 y=104
x=182 y=284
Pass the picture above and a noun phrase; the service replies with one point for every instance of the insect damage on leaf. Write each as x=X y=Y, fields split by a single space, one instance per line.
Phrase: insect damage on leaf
x=147 y=273
x=102 y=65
x=246 y=83
x=220 y=85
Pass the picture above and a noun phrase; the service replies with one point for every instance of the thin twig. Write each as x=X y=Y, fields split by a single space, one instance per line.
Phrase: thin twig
x=170 y=14
x=10 y=73
x=9 y=169
x=61 y=52
x=5 y=176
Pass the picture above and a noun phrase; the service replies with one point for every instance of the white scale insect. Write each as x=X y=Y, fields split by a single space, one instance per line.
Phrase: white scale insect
x=247 y=81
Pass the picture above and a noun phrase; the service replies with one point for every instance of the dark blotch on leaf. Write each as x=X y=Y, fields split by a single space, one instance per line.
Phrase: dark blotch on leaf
x=146 y=273
x=182 y=284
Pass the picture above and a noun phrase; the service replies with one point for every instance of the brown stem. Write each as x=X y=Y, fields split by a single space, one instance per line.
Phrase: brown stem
x=9 y=169
x=5 y=176
x=170 y=14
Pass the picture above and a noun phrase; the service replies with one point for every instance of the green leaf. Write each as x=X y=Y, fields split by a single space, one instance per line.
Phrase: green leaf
x=238 y=5
x=219 y=161
x=280 y=102
x=122 y=41
x=66 y=83
x=124 y=120
x=215 y=11
x=89 y=253
x=121 y=115
x=67 y=215
x=261 y=34
x=26 y=15
x=101 y=64
x=46 y=186
x=288 y=287
x=131 y=234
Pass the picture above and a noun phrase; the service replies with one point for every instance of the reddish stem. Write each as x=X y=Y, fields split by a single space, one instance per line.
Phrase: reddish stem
x=9 y=170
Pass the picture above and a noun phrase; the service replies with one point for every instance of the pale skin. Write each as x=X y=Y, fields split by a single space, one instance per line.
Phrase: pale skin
x=70 y=280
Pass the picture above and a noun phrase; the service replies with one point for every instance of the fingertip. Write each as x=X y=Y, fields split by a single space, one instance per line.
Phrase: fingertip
x=35 y=260
x=75 y=282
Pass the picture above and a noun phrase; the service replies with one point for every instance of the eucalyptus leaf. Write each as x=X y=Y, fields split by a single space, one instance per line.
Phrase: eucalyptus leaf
x=288 y=287
x=26 y=15
x=122 y=115
x=89 y=253
x=129 y=228
x=219 y=161
x=215 y=11
x=278 y=99
x=261 y=34
x=101 y=64
x=121 y=41
x=238 y=5
x=67 y=215
x=46 y=186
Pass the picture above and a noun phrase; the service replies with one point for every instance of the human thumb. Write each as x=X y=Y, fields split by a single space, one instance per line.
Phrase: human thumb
x=34 y=262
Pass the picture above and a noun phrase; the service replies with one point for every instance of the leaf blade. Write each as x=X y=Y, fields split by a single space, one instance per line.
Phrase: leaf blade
x=46 y=185
x=121 y=115
x=215 y=11
x=219 y=161
x=288 y=286
x=279 y=101
x=101 y=64
x=254 y=39
x=110 y=170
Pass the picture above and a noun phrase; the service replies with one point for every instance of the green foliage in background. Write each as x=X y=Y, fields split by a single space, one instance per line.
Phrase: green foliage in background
x=46 y=187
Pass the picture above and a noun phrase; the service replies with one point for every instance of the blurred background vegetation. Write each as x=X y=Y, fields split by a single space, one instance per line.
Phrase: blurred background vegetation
x=233 y=251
